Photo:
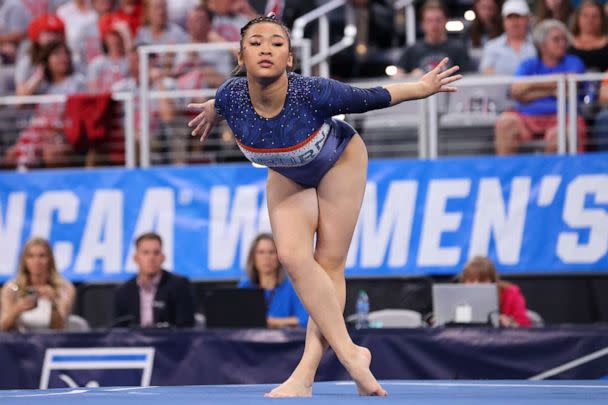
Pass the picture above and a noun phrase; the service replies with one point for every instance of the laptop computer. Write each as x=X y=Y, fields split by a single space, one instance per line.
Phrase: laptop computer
x=464 y=303
x=235 y=308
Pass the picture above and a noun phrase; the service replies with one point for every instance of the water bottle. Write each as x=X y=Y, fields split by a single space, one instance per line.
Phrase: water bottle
x=590 y=90
x=362 y=310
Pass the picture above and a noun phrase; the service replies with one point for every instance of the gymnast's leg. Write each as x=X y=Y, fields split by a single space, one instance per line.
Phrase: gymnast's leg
x=331 y=210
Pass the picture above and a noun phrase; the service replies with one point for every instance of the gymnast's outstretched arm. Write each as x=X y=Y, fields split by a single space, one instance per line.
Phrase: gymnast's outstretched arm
x=433 y=82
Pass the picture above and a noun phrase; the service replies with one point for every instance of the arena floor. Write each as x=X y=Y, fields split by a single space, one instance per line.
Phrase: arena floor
x=330 y=393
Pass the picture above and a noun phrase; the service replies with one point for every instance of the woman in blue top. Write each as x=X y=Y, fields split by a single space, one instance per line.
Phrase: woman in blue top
x=265 y=271
x=316 y=179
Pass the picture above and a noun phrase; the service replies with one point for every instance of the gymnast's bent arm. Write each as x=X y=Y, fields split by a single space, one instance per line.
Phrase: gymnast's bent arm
x=206 y=120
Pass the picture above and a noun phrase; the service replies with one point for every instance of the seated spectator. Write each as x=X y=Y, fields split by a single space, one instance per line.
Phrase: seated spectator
x=265 y=271
x=535 y=113
x=15 y=17
x=80 y=14
x=230 y=16
x=132 y=11
x=178 y=10
x=113 y=66
x=512 y=302
x=503 y=55
x=161 y=111
x=42 y=31
x=205 y=69
x=154 y=297
x=487 y=24
x=424 y=55
x=553 y=9
x=89 y=43
x=43 y=142
x=38 y=298
x=590 y=40
x=600 y=128
x=158 y=30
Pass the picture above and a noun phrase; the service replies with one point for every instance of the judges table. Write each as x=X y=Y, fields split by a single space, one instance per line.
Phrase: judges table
x=192 y=357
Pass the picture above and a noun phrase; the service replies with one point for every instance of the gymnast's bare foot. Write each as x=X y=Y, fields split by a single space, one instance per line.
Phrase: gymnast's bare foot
x=357 y=366
x=292 y=387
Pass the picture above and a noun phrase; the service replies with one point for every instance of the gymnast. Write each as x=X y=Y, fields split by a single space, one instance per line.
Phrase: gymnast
x=317 y=168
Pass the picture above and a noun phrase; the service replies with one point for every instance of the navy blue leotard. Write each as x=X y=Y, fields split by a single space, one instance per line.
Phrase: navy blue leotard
x=302 y=142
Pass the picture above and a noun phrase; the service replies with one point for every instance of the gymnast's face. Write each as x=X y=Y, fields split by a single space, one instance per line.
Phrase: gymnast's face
x=265 y=53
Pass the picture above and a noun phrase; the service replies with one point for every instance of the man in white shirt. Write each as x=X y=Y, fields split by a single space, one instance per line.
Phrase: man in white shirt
x=502 y=55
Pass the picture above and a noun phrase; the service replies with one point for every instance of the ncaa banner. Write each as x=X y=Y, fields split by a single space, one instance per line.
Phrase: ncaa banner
x=528 y=213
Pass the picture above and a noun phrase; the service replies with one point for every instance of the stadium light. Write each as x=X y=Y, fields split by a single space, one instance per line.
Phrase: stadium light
x=391 y=70
x=454 y=26
x=469 y=15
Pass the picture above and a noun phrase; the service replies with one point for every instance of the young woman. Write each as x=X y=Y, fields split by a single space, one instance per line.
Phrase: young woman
x=316 y=179
x=38 y=297
x=265 y=271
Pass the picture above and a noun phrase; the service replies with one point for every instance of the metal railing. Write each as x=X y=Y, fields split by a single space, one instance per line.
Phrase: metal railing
x=128 y=121
x=325 y=49
x=417 y=128
x=410 y=19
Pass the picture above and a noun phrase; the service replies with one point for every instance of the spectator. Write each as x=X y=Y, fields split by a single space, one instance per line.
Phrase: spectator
x=161 y=111
x=178 y=10
x=424 y=55
x=155 y=297
x=158 y=29
x=535 y=113
x=502 y=55
x=265 y=271
x=44 y=142
x=132 y=11
x=42 y=31
x=38 y=298
x=80 y=14
x=600 y=128
x=207 y=68
x=487 y=24
x=230 y=16
x=590 y=39
x=512 y=302
x=113 y=66
x=89 y=44
x=15 y=17
x=553 y=9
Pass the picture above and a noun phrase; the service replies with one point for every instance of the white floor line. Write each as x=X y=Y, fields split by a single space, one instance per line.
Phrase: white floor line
x=571 y=364
x=482 y=385
x=129 y=388
x=48 y=394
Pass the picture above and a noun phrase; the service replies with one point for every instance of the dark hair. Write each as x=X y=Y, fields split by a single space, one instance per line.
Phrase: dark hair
x=252 y=271
x=477 y=28
x=270 y=18
x=46 y=55
x=576 y=29
x=433 y=5
x=543 y=12
x=148 y=236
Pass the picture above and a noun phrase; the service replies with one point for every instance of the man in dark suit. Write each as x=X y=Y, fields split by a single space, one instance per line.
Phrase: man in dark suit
x=155 y=297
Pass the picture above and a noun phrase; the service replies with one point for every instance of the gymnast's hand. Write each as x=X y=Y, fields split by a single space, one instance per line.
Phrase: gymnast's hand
x=204 y=121
x=438 y=79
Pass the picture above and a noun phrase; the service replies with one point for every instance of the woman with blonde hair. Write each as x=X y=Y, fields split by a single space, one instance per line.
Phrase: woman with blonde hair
x=38 y=298
x=265 y=271
x=512 y=302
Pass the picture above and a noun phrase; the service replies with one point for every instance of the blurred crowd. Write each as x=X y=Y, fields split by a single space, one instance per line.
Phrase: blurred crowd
x=76 y=47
